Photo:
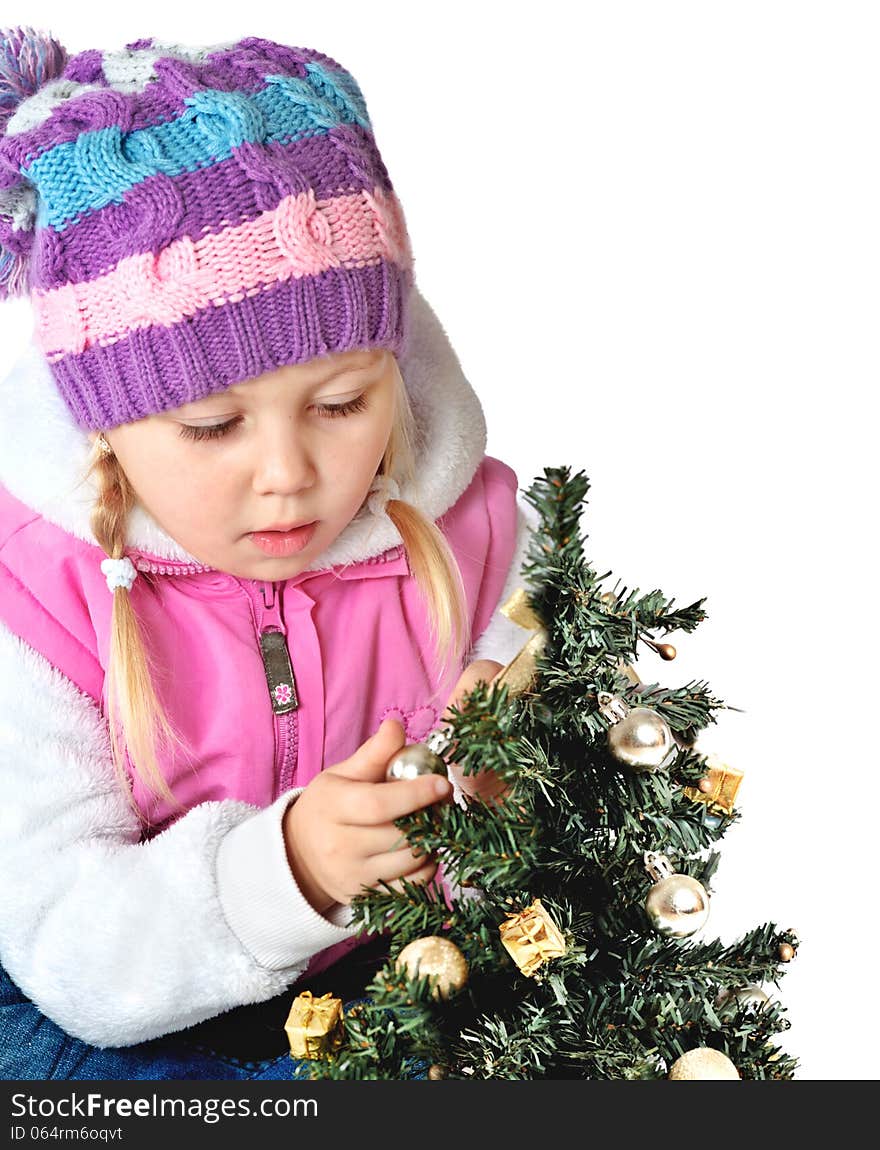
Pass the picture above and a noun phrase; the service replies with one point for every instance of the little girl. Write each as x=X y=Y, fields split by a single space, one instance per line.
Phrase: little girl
x=250 y=546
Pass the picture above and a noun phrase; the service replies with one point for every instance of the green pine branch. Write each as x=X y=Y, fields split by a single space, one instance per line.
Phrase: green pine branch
x=572 y=831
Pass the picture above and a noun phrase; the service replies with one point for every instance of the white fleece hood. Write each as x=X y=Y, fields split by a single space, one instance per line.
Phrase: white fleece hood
x=44 y=455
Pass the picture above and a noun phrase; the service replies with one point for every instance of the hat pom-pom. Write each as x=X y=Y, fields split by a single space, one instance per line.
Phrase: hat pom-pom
x=28 y=60
x=15 y=242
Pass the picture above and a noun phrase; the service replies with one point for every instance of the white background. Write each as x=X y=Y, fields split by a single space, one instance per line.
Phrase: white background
x=651 y=232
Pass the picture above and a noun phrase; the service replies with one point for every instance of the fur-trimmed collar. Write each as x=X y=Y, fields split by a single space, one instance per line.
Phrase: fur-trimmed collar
x=44 y=455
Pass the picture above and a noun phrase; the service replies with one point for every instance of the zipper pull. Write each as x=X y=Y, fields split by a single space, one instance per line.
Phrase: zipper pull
x=276 y=657
x=279 y=672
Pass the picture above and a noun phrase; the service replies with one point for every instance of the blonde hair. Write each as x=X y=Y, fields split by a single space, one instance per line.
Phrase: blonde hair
x=137 y=721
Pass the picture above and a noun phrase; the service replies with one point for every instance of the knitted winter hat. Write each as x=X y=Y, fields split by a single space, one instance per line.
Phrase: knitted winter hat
x=187 y=218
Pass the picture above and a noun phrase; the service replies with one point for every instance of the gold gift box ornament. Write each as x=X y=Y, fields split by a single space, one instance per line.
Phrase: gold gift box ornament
x=314 y=1025
x=718 y=786
x=531 y=937
x=520 y=672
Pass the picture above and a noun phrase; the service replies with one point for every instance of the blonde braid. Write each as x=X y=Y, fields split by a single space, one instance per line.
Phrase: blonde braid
x=433 y=564
x=135 y=715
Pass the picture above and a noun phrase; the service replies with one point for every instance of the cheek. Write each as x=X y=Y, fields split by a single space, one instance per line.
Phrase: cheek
x=198 y=491
x=354 y=456
x=171 y=476
x=380 y=430
x=174 y=490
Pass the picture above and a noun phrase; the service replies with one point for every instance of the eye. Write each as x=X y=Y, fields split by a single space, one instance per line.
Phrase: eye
x=219 y=430
x=335 y=410
x=208 y=430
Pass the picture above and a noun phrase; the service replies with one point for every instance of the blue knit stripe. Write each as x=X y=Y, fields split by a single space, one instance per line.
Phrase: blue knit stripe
x=214 y=122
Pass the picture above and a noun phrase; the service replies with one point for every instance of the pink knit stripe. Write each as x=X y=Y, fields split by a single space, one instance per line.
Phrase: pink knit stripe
x=302 y=236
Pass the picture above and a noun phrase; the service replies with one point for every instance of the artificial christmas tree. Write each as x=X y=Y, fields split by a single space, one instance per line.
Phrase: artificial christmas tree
x=569 y=949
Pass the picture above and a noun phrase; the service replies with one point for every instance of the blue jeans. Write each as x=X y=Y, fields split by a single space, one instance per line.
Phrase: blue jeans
x=245 y=1044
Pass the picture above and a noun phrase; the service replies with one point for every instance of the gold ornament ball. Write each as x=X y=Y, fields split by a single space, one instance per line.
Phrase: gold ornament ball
x=786 y=951
x=677 y=906
x=666 y=651
x=413 y=761
x=436 y=1073
x=641 y=740
x=438 y=956
x=703 y=1064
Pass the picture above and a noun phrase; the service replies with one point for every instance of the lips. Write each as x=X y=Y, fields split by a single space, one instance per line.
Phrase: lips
x=282 y=541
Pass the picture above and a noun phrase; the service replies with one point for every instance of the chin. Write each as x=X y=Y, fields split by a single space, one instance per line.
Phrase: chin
x=275 y=570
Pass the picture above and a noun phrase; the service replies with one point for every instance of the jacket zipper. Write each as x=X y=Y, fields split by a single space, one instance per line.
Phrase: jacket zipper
x=273 y=651
x=154 y=567
x=282 y=686
x=276 y=664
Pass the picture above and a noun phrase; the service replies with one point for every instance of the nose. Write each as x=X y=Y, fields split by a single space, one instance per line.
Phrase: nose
x=283 y=463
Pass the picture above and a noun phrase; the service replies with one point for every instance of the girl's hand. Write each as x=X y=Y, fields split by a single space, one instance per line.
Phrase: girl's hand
x=340 y=833
x=485 y=785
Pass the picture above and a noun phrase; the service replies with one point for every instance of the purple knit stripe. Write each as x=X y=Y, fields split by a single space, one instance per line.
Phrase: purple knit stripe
x=161 y=209
x=86 y=67
x=238 y=69
x=283 y=57
x=158 y=368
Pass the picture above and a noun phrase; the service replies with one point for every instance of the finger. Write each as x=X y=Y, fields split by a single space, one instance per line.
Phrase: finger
x=485 y=785
x=419 y=877
x=370 y=842
x=399 y=863
x=371 y=804
x=370 y=761
x=383 y=869
x=482 y=670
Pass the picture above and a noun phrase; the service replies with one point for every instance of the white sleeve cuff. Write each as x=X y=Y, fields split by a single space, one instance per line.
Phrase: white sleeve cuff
x=503 y=639
x=261 y=900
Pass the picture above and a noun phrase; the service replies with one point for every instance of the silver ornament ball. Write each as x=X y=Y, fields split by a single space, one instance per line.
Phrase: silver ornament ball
x=677 y=906
x=642 y=740
x=752 y=997
x=413 y=761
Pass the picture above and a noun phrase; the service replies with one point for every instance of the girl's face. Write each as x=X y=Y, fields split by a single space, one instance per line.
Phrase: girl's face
x=295 y=446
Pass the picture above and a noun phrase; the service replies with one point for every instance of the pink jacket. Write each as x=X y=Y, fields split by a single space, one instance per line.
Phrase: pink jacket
x=356 y=637
x=356 y=634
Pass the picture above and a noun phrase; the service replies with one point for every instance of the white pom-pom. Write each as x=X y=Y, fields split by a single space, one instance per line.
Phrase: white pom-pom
x=119 y=572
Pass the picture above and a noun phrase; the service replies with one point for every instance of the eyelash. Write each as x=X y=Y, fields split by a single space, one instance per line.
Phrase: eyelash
x=219 y=430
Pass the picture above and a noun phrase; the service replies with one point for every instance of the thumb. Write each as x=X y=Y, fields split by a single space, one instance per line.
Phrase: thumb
x=370 y=761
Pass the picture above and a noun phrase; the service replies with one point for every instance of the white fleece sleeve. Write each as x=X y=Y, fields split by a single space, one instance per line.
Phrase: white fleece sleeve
x=115 y=940
x=502 y=639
